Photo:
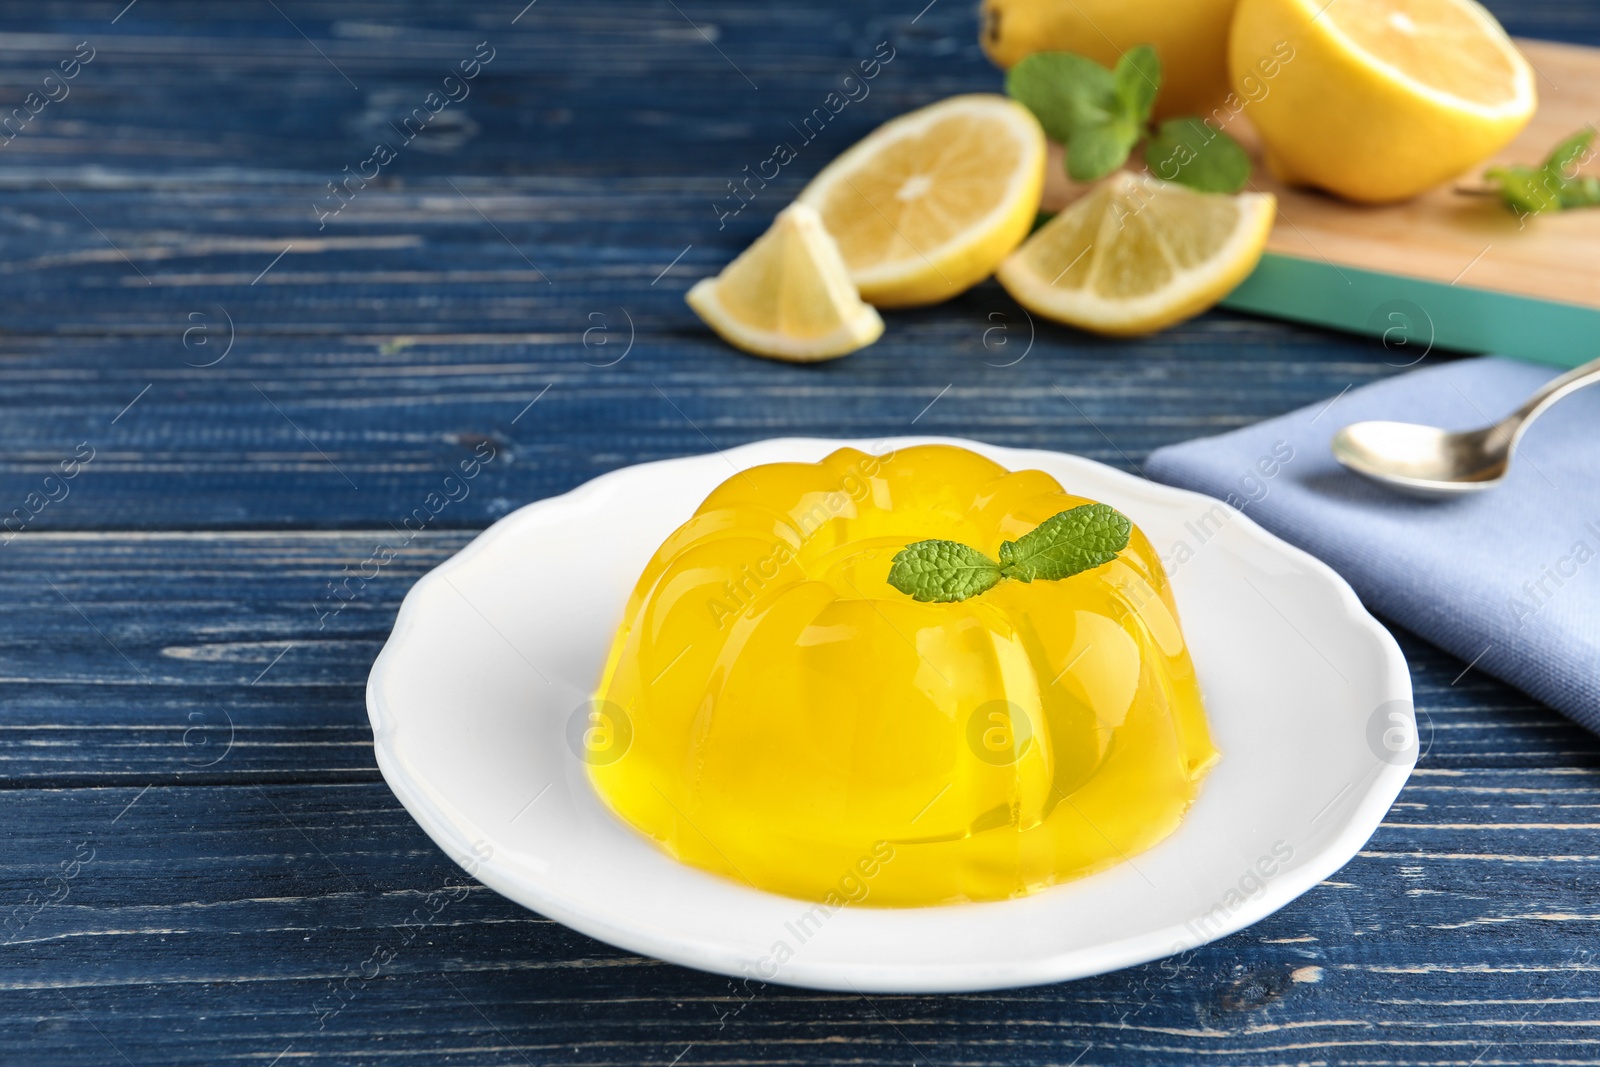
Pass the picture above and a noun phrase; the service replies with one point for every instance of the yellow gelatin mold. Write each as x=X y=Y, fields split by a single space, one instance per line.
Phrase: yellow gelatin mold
x=776 y=710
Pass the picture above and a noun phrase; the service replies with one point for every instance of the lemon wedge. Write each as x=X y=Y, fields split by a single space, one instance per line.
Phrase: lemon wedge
x=1137 y=254
x=1378 y=100
x=927 y=205
x=788 y=296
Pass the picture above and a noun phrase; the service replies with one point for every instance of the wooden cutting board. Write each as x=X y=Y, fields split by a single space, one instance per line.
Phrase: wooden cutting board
x=1453 y=269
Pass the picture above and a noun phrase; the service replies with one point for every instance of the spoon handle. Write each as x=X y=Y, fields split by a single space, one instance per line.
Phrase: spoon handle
x=1554 y=390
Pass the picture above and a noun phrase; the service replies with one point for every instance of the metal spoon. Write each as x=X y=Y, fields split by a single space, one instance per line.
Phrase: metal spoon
x=1428 y=461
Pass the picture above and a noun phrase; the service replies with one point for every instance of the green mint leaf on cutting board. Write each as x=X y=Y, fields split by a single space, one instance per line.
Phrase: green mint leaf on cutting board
x=1065 y=92
x=1553 y=186
x=1138 y=78
x=1095 y=151
x=1097 y=148
x=1573 y=189
x=1567 y=155
x=1067 y=544
x=1076 y=540
x=1525 y=190
x=1581 y=192
x=942 y=571
x=1101 y=115
x=1096 y=113
x=1191 y=152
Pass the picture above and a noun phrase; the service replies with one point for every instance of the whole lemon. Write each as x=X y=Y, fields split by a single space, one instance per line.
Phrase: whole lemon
x=1191 y=36
x=1377 y=100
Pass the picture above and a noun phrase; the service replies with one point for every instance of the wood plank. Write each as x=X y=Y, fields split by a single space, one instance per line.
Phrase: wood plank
x=569 y=89
x=334 y=433
x=198 y=657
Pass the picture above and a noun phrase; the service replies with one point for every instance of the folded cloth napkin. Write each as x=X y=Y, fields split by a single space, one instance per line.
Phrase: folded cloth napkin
x=1507 y=579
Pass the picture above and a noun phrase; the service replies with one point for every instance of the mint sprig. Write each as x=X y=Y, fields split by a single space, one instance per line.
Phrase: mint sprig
x=943 y=571
x=1101 y=115
x=1555 y=185
x=1069 y=543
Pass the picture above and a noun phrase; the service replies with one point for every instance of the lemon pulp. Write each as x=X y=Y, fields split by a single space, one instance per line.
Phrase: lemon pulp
x=773 y=711
x=1378 y=100
x=927 y=204
x=1137 y=254
x=788 y=296
x=1443 y=44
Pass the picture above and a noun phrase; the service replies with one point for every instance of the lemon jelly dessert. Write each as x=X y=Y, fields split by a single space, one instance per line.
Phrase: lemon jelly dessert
x=774 y=710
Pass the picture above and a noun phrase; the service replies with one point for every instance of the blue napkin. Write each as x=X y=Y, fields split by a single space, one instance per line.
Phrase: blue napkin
x=1508 y=580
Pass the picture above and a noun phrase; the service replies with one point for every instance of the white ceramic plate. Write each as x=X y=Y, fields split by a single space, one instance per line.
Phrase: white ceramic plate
x=470 y=700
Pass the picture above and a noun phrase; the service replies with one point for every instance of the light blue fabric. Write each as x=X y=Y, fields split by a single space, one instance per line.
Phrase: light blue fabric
x=1508 y=579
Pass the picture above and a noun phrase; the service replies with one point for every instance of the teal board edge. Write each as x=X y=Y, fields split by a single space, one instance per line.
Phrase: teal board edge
x=1413 y=315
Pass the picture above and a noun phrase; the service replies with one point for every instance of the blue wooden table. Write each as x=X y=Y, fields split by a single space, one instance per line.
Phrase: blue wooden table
x=239 y=345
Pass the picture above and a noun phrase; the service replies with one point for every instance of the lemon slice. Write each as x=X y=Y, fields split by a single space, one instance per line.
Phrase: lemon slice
x=788 y=296
x=1378 y=100
x=927 y=205
x=1137 y=254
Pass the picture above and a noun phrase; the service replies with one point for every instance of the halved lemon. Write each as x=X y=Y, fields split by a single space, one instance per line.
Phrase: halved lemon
x=788 y=296
x=1378 y=100
x=1137 y=254
x=925 y=206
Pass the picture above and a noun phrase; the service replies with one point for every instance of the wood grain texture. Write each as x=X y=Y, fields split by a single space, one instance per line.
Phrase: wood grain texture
x=199 y=856
x=339 y=432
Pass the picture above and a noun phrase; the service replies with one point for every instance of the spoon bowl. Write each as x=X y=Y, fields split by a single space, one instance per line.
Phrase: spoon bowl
x=1424 y=460
x=1429 y=461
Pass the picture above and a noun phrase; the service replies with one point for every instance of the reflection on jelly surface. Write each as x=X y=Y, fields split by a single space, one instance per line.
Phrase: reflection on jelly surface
x=795 y=723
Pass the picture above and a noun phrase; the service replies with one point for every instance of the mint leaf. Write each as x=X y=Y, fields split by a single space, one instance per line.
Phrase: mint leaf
x=1095 y=151
x=1581 y=192
x=1067 y=544
x=1191 y=152
x=1137 y=78
x=1524 y=189
x=1568 y=154
x=942 y=571
x=1098 y=114
x=1562 y=168
x=1065 y=91
x=1554 y=185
